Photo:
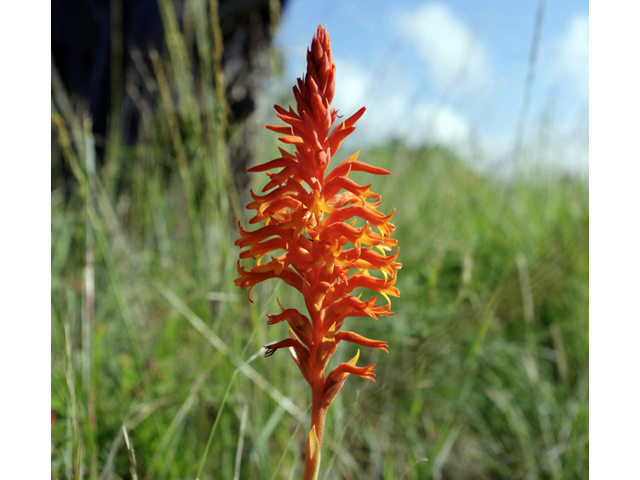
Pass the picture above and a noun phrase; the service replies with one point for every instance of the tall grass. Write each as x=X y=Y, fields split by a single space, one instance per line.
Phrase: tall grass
x=488 y=365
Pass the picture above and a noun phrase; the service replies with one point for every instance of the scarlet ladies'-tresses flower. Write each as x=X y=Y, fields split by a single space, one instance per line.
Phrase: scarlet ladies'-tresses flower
x=311 y=216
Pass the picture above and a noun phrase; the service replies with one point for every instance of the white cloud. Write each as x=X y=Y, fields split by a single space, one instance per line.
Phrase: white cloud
x=574 y=53
x=392 y=112
x=352 y=82
x=551 y=147
x=454 y=55
x=439 y=124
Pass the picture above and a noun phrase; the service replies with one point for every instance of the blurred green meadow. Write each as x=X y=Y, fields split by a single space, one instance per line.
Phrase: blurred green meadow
x=157 y=370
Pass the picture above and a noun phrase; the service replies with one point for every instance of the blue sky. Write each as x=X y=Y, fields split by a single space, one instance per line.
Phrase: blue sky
x=454 y=72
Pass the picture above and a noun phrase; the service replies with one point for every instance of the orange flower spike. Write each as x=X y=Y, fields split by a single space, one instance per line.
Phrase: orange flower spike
x=311 y=216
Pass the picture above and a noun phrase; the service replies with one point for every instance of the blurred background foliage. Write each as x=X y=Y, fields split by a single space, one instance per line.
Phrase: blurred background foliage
x=156 y=365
